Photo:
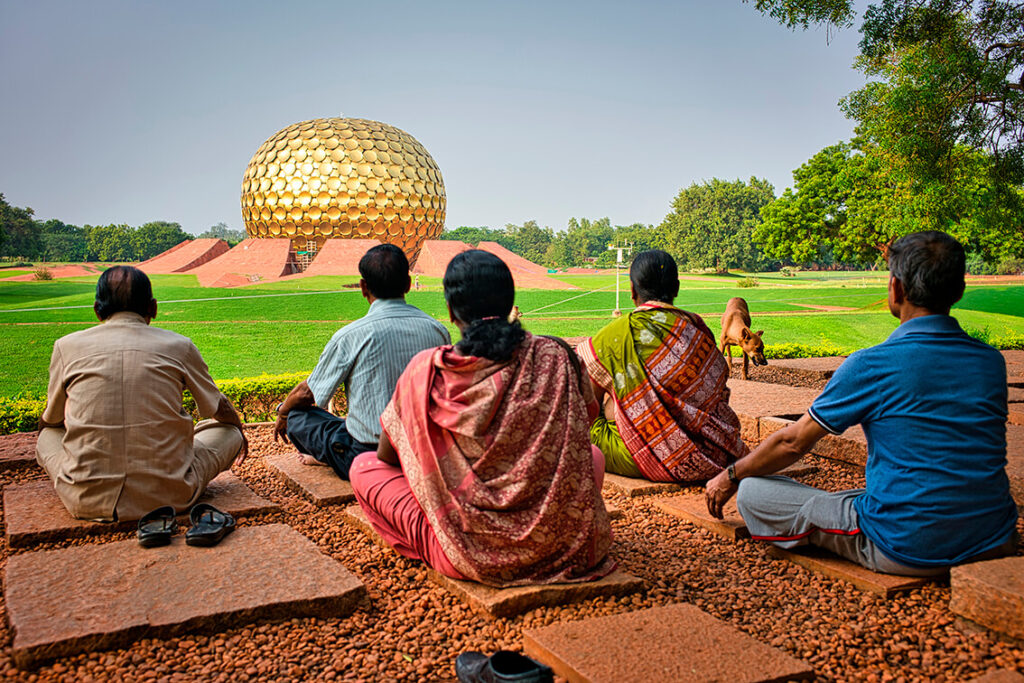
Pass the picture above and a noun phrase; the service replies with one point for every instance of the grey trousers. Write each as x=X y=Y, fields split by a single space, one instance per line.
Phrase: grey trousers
x=790 y=514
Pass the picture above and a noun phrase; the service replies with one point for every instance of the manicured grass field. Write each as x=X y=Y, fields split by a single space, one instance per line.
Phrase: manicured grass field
x=283 y=326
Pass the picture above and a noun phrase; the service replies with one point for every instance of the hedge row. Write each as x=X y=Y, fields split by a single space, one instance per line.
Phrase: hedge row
x=254 y=397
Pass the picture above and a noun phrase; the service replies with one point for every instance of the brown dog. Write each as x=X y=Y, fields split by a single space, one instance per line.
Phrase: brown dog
x=736 y=332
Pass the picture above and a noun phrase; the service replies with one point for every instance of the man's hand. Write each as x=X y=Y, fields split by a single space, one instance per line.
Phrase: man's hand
x=718 y=492
x=281 y=428
x=244 y=452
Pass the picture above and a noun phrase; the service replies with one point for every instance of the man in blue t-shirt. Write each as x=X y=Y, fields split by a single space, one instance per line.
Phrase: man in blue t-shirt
x=932 y=402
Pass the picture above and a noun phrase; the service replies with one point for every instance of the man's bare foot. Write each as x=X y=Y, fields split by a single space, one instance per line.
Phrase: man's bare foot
x=309 y=460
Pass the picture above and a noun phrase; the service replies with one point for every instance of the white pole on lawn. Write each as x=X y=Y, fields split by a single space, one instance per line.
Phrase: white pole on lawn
x=618 y=266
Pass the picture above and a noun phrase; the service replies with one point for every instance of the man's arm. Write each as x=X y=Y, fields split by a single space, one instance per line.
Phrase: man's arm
x=779 y=450
x=56 y=397
x=299 y=397
x=227 y=414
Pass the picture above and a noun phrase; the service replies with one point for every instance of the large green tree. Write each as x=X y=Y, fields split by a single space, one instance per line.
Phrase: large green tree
x=529 y=240
x=847 y=205
x=19 y=236
x=586 y=239
x=154 y=238
x=711 y=225
x=62 y=242
x=945 y=101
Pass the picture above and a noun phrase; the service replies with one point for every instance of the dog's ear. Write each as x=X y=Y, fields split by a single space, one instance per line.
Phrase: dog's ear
x=760 y=333
x=745 y=334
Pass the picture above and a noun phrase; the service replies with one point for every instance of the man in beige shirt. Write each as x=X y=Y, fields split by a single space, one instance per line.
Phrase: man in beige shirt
x=114 y=437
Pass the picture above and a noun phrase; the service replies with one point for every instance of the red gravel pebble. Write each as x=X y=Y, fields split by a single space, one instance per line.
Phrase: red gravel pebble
x=412 y=630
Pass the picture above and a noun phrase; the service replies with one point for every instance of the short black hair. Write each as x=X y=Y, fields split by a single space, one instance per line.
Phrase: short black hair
x=385 y=269
x=654 y=276
x=480 y=290
x=123 y=288
x=931 y=266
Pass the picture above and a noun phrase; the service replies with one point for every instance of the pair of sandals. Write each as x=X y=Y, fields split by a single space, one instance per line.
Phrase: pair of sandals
x=209 y=526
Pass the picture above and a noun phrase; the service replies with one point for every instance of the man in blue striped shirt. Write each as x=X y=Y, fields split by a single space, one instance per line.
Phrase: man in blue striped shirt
x=368 y=356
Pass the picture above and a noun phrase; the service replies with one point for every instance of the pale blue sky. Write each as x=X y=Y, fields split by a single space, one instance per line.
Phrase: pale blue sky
x=126 y=112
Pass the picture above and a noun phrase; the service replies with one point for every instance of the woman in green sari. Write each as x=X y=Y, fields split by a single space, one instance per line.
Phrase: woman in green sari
x=663 y=383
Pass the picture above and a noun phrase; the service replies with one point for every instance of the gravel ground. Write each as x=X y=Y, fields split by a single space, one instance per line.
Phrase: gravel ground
x=413 y=630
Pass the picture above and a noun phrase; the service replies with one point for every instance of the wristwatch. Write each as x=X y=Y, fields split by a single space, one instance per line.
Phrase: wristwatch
x=278 y=410
x=731 y=472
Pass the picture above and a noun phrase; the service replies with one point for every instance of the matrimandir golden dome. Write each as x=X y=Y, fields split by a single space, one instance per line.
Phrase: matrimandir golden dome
x=343 y=178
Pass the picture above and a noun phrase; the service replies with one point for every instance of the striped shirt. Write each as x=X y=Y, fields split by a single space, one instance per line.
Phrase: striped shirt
x=368 y=355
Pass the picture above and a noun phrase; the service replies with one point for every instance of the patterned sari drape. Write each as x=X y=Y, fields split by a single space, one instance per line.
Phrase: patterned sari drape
x=668 y=379
x=498 y=457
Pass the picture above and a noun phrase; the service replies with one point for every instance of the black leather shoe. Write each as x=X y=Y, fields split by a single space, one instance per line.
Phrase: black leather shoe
x=504 y=665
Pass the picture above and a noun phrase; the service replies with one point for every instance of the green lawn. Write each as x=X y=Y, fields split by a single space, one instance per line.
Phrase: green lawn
x=283 y=326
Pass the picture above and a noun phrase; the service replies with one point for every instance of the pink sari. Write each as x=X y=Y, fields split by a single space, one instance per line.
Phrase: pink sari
x=498 y=457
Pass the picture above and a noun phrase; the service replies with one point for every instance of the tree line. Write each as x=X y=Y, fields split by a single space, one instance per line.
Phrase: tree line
x=22 y=237
x=938 y=144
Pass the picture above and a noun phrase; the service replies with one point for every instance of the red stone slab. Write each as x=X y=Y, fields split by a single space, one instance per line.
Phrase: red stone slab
x=999 y=676
x=1015 y=462
x=34 y=514
x=757 y=399
x=85 y=598
x=613 y=510
x=694 y=509
x=18 y=450
x=851 y=446
x=501 y=603
x=508 y=602
x=823 y=562
x=319 y=485
x=678 y=643
x=637 y=487
x=1016 y=416
x=990 y=594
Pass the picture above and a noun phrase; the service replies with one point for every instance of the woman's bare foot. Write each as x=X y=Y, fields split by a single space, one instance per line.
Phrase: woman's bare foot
x=309 y=460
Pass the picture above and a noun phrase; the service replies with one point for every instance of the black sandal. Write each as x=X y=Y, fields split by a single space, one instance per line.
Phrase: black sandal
x=156 y=527
x=209 y=526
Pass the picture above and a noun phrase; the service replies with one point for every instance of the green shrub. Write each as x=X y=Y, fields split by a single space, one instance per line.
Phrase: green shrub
x=1010 y=266
x=20 y=413
x=793 y=350
x=1010 y=340
x=43 y=273
x=747 y=282
x=255 y=398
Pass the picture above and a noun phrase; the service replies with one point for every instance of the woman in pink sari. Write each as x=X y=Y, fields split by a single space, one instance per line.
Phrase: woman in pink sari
x=486 y=472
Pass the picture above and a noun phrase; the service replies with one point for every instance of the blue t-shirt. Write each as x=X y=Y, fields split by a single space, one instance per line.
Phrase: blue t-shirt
x=932 y=402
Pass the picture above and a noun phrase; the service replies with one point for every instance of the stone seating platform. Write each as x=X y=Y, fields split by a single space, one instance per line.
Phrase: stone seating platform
x=637 y=487
x=508 y=602
x=850 y=447
x=677 y=643
x=63 y=602
x=999 y=676
x=693 y=508
x=990 y=594
x=34 y=514
x=827 y=564
x=753 y=400
x=319 y=485
x=1015 y=462
x=18 y=450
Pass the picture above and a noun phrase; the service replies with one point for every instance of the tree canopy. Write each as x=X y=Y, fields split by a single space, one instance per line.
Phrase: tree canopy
x=712 y=225
x=945 y=103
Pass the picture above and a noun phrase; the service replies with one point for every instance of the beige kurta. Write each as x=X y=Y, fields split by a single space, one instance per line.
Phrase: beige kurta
x=128 y=444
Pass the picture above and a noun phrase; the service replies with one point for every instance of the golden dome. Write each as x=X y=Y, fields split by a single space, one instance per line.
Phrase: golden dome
x=347 y=178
